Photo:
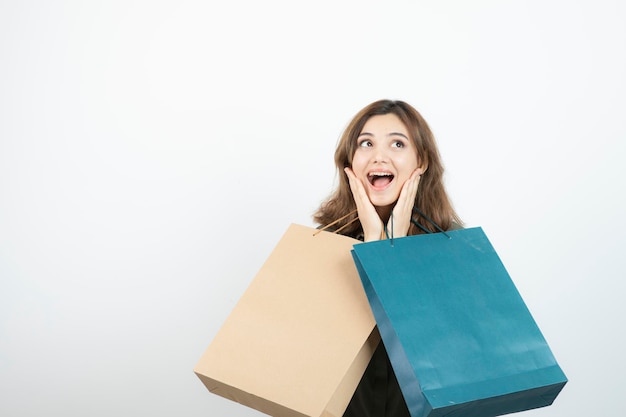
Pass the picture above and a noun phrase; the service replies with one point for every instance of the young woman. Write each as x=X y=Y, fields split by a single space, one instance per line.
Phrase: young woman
x=391 y=179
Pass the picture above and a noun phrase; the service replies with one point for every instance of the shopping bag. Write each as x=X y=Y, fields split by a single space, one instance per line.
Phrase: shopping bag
x=300 y=337
x=460 y=338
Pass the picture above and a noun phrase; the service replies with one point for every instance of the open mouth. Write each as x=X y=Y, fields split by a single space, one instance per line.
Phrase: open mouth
x=380 y=179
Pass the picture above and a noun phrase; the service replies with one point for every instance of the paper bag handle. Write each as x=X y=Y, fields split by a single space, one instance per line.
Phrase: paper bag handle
x=337 y=221
x=429 y=220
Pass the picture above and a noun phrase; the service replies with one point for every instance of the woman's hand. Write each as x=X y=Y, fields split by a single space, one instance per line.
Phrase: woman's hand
x=403 y=210
x=368 y=216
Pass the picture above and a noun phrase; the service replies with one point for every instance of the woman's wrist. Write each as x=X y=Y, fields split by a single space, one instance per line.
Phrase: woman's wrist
x=371 y=237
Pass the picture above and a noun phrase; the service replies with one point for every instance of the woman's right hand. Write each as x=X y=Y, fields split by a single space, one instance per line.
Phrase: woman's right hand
x=368 y=216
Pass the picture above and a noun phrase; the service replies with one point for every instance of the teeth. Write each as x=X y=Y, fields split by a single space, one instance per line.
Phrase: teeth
x=380 y=174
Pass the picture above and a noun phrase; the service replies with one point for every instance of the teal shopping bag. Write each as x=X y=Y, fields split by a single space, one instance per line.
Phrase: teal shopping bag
x=459 y=336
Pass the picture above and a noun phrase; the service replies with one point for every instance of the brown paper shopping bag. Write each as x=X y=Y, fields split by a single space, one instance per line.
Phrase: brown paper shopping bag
x=300 y=337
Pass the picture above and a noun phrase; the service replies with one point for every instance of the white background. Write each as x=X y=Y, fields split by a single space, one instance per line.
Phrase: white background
x=152 y=153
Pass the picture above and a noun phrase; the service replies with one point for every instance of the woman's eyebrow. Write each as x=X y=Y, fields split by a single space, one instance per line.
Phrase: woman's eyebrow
x=390 y=134
x=399 y=134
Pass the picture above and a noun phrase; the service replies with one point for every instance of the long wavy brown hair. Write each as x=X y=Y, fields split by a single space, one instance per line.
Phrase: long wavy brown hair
x=431 y=199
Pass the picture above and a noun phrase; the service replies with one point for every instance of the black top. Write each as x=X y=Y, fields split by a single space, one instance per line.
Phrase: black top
x=378 y=394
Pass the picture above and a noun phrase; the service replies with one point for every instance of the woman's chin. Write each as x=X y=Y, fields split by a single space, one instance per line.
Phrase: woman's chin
x=381 y=202
x=383 y=199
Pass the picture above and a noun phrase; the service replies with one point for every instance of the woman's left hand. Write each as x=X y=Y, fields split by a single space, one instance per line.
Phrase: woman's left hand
x=403 y=210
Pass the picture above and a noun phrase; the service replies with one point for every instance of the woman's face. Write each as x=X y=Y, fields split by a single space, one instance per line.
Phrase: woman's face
x=384 y=159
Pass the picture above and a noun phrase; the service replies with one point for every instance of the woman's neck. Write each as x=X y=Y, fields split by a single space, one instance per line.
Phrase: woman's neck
x=384 y=213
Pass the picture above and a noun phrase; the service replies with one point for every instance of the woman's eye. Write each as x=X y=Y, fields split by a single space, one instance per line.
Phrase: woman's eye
x=365 y=143
x=397 y=144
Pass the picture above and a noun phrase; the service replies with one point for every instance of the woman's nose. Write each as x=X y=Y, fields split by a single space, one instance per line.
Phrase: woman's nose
x=379 y=155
